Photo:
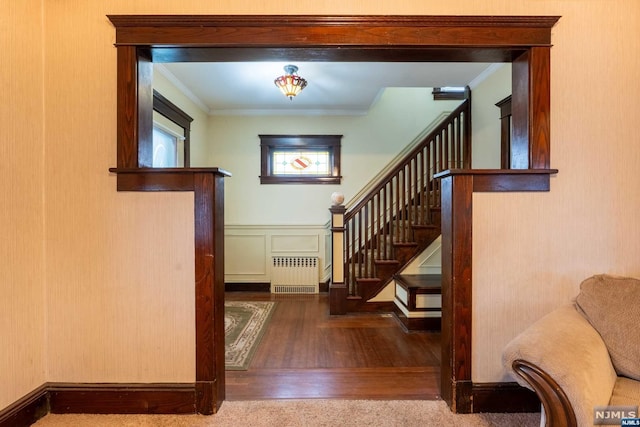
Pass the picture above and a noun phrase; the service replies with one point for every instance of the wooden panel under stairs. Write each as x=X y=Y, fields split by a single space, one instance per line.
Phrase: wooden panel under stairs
x=418 y=301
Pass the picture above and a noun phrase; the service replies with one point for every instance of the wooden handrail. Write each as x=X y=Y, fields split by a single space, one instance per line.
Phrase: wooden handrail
x=404 y=199
x=462 y=108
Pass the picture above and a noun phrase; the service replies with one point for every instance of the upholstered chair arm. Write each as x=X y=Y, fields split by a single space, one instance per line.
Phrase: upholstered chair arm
x=564 y=360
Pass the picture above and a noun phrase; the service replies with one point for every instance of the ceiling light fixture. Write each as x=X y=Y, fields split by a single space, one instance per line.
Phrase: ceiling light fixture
x=291 y=83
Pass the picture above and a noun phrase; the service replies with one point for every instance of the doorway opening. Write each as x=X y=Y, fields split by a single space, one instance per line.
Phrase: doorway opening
x=524 y=41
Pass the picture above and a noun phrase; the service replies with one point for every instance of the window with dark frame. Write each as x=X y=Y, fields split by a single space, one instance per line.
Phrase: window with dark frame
x=300 y=159
x=175 y=114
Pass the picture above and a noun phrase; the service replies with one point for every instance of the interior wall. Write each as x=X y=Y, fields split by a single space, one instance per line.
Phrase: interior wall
x=485 y=116
x=369 y=143
x=531 y=251
x=198 y=133
x=119 y=266
x=22 y=308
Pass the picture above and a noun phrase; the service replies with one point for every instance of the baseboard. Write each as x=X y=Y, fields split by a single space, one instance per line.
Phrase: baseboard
x=247 y=287
x=26 y=410
x=503 y=397
x=262 y=287
x=115 y=398
x=108 y=398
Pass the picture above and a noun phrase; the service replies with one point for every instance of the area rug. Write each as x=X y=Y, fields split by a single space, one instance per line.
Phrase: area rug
x=244 y=325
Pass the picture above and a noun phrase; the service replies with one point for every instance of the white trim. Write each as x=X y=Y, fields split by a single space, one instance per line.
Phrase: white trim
x=417 y=314
x=168 y=130
x=287 y=112
x=181 y=87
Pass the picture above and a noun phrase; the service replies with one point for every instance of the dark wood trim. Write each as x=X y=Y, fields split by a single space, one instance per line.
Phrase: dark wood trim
x=145 y=108
x=505 y=180
x=412 y=324
x=504 y=397
x=557 y=407
x=170 y=110
x=121 y=21
x=525 y=41
x=332 y=54
x=457 y=221
x=113 y=398
x=174 y=113
x=530 y=109
x=209 y=291
x=247 y=287
x=160 y=179
x=271 y=143
x=127 y=114
x=338 y=298
x=442 y=94
x=333 y=180
x=26 y=410
x=505 y=132
x=311 y=30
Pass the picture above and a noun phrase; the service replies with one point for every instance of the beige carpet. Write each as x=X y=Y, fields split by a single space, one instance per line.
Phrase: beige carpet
x=306 y=413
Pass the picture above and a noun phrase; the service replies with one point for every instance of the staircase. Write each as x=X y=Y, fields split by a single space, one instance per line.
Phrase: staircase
x=400 y=216
x=418 y=301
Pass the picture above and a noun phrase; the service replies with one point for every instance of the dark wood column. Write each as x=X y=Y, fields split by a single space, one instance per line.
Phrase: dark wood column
x=457 y=219
x=530 y=107
x=209 y=278
x=135 y=107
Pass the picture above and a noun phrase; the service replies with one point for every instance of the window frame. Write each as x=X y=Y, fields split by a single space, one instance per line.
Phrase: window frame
x=271 y=143
x=174 y=113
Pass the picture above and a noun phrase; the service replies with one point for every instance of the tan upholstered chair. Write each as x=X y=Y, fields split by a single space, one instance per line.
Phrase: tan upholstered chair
x=583 y=355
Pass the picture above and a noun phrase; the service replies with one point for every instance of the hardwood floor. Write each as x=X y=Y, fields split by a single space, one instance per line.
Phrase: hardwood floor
x=306 y=353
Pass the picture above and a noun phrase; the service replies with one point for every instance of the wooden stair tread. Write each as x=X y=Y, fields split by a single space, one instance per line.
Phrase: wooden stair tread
x=428 y=226
x=426 y=282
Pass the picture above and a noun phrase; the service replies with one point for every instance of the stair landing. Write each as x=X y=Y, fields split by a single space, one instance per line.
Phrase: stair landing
x=418 y=301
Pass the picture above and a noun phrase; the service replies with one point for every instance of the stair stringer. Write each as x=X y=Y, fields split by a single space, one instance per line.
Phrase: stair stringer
x=429 y=261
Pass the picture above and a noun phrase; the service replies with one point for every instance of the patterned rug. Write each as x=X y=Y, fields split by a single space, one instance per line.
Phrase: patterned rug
x=244 y=325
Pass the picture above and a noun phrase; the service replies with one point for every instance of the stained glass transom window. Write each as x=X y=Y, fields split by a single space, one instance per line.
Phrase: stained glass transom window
x=301 y=163
x=304 y=159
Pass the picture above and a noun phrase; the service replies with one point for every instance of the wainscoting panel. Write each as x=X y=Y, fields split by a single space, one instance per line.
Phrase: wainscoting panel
x=245 y=256
x=249 y=249
x=295 y=243
x=326 y=272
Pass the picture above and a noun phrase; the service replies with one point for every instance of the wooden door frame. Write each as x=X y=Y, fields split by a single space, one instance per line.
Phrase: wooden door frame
x=525 y=41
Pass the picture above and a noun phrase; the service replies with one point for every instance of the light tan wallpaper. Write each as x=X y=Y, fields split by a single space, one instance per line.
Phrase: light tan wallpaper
x=531 y=251
x=22 y=309
x=119 y=266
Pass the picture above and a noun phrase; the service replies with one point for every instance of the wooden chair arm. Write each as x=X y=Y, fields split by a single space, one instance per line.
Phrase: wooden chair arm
x=557 y=408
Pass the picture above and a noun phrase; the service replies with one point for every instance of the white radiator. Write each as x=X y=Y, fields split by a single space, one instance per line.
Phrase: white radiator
x=294 y=275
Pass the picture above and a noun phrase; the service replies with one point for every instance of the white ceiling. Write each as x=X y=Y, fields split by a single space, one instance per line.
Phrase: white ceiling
x=337 y=88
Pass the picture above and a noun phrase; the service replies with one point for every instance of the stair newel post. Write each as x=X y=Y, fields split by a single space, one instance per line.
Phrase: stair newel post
x=337 y=287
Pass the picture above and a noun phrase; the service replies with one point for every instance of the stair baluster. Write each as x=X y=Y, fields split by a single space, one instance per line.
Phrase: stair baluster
x=400 y=216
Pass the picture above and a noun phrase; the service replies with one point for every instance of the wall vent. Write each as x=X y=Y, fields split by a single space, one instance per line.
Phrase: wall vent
x=294 y=275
